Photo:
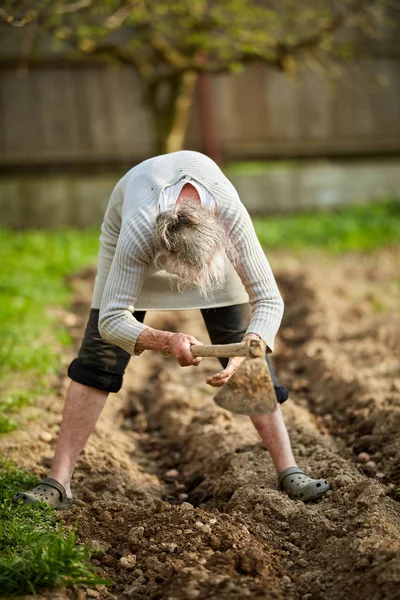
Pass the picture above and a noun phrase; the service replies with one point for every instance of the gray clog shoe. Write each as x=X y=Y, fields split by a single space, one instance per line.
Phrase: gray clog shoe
x=49 y=491
x=299 y=486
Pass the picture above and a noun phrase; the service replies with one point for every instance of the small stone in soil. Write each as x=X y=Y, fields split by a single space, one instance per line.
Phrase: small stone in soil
x=199 y=524
x=371 y=465
x=173 y=473
x=104 y=515
x=186 y=506
x=363 y=457
x=342 y=480
x=302 y=562
x=45 y=436
x=128 y=561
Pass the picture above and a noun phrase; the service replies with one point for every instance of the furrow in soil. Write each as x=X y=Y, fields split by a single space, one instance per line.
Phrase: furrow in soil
x=343 y=546
x=340 y=352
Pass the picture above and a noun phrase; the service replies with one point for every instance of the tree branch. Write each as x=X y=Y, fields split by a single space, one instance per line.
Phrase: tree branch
x=392 y=4
x=33 y=15
x=115 y=20
x=74 y=7
x=315 y=39
x=169 y=54
x=216 y=68
x=26 y=48
x=9 y=19
x=123 y=56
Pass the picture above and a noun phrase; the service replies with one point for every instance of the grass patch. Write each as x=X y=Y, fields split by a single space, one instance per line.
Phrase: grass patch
x=33 y=271
x=362 y=227
x=253 y=168
x=33 y=554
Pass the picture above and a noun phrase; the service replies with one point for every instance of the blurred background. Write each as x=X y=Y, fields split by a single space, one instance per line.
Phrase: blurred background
x=298 y=103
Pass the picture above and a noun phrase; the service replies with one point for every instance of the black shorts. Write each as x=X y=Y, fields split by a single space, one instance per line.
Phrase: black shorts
x=102 y=365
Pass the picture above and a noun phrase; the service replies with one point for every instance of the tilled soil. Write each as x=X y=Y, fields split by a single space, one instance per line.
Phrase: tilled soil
x=178 y=497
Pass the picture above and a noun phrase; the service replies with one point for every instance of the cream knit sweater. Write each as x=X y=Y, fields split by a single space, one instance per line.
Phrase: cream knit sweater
x=127 y=249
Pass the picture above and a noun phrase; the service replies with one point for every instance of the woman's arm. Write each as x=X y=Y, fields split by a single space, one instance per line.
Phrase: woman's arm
x=258 y=279
x=175 y=344
x=117 y=323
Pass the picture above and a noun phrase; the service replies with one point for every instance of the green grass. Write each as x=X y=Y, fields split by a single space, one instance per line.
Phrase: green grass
x=362 y=227
x=34 y=553
x=252 y=168
x=33 y=270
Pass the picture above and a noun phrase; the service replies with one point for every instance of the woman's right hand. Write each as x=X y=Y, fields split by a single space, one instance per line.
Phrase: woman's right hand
x=179 y=346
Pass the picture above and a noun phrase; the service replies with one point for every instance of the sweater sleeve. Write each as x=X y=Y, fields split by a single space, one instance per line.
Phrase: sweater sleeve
x=117 y=323
x=258 y=279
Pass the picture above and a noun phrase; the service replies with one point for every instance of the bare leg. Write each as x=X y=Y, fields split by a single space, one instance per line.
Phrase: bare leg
x=273 y=432
x=83 y=406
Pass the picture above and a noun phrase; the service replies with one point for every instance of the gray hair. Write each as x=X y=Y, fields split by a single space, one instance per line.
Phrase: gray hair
x=191 y=242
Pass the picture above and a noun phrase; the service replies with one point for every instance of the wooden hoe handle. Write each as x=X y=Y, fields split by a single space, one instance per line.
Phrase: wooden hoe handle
x=222 y=350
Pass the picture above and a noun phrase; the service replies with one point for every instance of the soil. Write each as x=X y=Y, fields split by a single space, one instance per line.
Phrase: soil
x=177 y=497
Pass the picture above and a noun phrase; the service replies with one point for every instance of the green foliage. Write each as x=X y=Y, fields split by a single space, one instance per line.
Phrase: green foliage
x=253 y=168
x=166 y=41
x=161 y=38
x=33 y=554
x=7 y=424
x=362 y=227
x=13 y=400
x=32 y=280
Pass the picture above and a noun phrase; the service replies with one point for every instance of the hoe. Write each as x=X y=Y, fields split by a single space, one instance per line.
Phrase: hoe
x=250 y=390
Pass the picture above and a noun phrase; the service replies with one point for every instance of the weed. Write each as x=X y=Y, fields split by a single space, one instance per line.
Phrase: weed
x=33 y=554
x=363 y=227
x=7 y=424
x=34 y=267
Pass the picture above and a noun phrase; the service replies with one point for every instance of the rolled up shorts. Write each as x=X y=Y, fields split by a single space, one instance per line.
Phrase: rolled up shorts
x=102 y=365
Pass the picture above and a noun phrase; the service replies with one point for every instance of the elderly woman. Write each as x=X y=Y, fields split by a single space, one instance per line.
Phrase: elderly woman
x=175 y=236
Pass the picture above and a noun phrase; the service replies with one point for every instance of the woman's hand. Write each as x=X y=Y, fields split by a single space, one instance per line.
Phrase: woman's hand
x=173 y=344
x=219 y=379
x=179 y=346
x=222 y=377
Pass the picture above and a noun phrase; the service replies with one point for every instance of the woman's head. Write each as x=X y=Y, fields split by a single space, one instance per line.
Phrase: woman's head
x=192 y=243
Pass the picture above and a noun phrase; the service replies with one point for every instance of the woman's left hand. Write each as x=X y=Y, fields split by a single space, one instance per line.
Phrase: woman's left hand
x=218 y=379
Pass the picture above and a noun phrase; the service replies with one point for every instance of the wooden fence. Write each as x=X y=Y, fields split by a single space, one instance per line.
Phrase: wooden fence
x=91 y=115
x=68 y=131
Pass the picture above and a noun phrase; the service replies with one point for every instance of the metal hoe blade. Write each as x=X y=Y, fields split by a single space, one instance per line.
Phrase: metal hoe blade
x=250 y=390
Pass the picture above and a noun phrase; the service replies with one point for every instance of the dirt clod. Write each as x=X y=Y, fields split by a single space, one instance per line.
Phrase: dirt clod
x=45 y=436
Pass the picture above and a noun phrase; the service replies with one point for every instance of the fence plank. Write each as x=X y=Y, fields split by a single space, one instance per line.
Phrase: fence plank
x=91 y=114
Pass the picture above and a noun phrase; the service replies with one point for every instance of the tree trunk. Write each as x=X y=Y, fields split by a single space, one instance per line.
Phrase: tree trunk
x=170 y=102
x=211 y=143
